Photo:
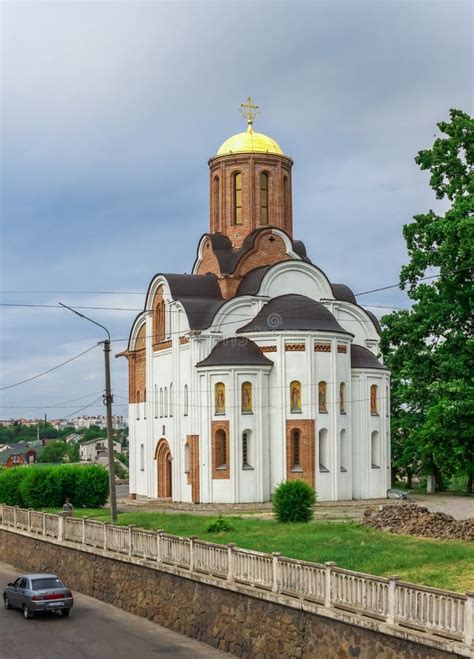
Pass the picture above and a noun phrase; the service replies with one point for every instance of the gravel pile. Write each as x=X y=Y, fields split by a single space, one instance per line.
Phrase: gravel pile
x=411 y=519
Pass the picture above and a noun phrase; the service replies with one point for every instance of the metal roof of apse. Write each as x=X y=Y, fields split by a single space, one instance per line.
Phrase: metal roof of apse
x=293 y=312
x=362 y=358
x=236 y=351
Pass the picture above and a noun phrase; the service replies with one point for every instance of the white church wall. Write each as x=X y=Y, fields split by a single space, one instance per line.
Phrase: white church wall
x=292 y=277
x=359 y=426
x=323 y=369
x=342 y=438
x=357 y=322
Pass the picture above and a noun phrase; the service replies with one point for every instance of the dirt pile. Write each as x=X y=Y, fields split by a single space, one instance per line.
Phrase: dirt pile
x=417 y=520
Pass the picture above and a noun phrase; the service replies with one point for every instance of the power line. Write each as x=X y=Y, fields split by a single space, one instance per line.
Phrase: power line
x=49 y=405
x=54 y=292
x=83 y=408
x=55 y=306
x=74 y=292
x=53 y=368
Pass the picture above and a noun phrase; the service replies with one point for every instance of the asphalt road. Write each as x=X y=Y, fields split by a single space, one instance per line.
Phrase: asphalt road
x=93 y=630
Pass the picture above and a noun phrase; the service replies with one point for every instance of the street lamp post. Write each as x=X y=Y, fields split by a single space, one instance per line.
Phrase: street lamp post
x=108 y=400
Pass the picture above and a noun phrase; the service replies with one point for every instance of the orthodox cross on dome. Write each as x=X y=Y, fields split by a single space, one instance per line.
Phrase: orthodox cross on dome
x=249 y=111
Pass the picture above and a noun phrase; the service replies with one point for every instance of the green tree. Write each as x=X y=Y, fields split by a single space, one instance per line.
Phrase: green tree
x=93 y=432
x=72 y=452
x=429 y=348
x=53 y=452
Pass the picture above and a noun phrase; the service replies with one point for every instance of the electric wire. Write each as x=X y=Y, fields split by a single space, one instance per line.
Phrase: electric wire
x=49 y=370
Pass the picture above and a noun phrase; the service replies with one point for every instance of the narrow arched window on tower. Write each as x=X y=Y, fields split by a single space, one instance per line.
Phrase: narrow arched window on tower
x=285 y=201
x=216 y=201
x=237 y=182
x=263 y=198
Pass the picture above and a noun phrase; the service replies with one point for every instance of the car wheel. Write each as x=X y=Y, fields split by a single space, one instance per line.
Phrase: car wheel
x=27 y=614
x=6 y=602
x=65 y=612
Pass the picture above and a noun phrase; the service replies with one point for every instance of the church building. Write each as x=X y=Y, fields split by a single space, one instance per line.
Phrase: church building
x=255 y=368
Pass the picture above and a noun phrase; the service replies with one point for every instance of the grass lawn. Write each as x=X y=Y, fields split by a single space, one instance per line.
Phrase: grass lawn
x=438 y=563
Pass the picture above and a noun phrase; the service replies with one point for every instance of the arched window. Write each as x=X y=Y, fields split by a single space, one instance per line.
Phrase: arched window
x=219 y=395
x=375 y=450
x=343 y=451
x=295 y=449
x=286 y=214
x=263 y=198
x=144 y=403
x=138 y=405
x=220 y=449
x=166 y=401
x=246 y=449
x=216 y=201
x=246 y=398
x=171 y=399
x=373 y=399
x=295 y=396
x=161 y=402
x=342 y=398
x=156 y=401
x=186 y=400
x=323 y=450
x=186 y=459
x=142 y=457
x=237 y=194
x=322 y=397
x=159 y=321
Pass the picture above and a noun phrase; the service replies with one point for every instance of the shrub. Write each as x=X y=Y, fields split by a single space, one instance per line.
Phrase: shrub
x=47 y=487
x=92 y=487
x=219 y=525
x=120 y=470
x=293 y=501
x=10 y=481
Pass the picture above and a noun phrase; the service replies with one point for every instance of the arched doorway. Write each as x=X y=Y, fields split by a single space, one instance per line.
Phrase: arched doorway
x=164 y=469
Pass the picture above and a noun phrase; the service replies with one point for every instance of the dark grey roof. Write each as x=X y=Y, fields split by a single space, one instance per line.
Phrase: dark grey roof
x=200 y=296
x=236 y=351
x=343 y=292
x=250 y=284
x=228 y=257
x=293 y=312
x=374 y=319
x=362 y=358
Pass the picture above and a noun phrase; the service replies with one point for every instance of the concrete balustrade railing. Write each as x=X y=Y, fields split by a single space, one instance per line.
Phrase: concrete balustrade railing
x=447 y=614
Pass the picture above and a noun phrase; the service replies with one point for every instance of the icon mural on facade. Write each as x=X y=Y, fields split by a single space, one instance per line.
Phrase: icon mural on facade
x=246 y=402
x=373 y=399
x=295 y=396
x=322 y=397
x=220 y=398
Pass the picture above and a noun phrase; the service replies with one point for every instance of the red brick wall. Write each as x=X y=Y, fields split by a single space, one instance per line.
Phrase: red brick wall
x=220 y=473
x=306 y=428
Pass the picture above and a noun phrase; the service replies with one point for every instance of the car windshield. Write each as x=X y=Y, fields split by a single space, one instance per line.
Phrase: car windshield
x=47 y=583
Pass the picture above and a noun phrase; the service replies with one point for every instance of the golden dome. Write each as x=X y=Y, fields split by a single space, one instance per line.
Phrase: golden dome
x=250 y=142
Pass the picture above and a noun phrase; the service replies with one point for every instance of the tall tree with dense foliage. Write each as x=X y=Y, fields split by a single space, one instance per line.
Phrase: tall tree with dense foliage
x=430 y=347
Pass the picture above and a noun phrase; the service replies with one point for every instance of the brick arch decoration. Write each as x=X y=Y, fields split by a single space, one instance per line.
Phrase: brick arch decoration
x=164 y=462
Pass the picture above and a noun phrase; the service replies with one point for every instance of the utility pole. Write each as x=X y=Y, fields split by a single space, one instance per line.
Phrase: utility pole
x=108 y=400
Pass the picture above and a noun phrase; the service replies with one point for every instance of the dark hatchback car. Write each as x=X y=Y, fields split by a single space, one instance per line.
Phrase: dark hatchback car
x=38 y=592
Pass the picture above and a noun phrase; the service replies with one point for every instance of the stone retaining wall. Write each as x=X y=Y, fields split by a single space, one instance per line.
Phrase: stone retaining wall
x=243 y=625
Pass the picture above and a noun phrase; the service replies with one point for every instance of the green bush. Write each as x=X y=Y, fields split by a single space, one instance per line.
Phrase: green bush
x=10 y=481
x=120 y=470
x=218 y=525
x=293 y=501
x=47 y=487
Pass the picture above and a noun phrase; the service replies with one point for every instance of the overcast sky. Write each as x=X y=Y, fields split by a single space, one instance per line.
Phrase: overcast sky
x=110 y=111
